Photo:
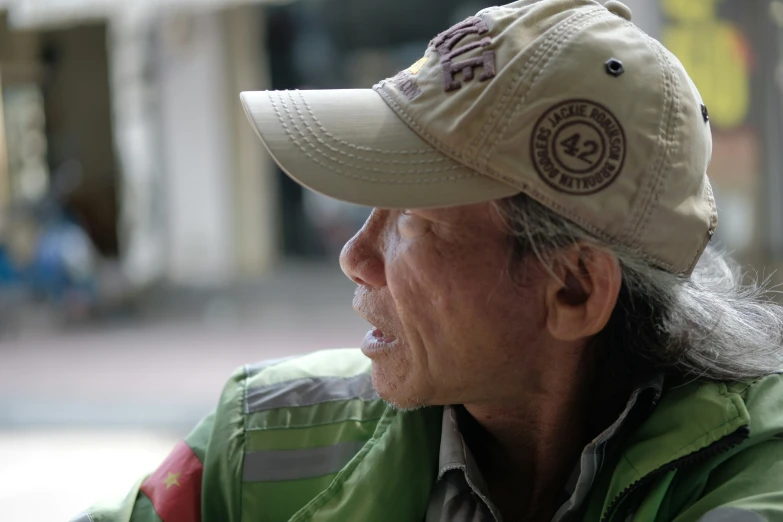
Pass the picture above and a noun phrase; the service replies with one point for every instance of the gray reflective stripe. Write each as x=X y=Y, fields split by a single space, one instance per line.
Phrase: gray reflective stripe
x=731 y=514
x=309 y=391
x=82 y=517
x=265 y=466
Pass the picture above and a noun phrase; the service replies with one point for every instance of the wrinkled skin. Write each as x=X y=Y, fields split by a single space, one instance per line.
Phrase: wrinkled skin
x=439 y=281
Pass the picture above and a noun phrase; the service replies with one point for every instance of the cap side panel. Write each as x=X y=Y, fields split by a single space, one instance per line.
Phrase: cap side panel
x=500 y=116
x=707 y=237
x=480 y=164
x=658 y=171
x=683 y=216
x=544 y=199
x=520 y=93
x=710 y=231
x=558 y=37
x=618 y=207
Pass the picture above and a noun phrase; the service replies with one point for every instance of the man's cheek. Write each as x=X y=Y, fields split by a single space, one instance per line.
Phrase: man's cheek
x=415 y=315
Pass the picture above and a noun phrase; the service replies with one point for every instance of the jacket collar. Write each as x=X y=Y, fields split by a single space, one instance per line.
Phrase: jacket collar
x=690 y=420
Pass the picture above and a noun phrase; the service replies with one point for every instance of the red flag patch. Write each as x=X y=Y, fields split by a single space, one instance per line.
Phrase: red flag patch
x=175 y=487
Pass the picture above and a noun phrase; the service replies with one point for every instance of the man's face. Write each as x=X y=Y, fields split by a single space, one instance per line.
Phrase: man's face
x=451 y=324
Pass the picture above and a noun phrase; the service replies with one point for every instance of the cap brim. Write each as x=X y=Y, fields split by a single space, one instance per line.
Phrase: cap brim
x=348 y=144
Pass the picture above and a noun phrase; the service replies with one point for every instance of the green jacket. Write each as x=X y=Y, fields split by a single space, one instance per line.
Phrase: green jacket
x=307 y=439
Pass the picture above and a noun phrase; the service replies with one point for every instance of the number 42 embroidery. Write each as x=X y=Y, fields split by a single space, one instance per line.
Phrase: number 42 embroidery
x=572 y=147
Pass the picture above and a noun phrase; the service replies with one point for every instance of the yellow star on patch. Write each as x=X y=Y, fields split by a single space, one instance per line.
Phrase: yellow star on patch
x=171 y=480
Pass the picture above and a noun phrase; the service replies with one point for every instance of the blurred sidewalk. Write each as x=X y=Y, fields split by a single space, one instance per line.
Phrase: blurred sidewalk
x=51 y=475
x=164 y=367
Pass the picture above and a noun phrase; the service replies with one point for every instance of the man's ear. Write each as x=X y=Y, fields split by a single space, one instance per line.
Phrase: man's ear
x=582 y=296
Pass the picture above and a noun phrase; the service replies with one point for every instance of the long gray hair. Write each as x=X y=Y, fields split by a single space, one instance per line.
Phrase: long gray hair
x=711 y=325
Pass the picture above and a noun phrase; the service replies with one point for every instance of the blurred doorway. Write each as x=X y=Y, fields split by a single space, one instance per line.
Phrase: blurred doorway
x=57 y=111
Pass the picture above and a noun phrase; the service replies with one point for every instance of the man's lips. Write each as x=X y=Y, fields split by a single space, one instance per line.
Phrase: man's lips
x=377 y=342
x=381 y=337
x=382 y=329
x=370 y=308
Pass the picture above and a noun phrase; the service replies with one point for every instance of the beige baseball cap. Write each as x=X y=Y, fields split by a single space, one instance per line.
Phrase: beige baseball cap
x=564 y=100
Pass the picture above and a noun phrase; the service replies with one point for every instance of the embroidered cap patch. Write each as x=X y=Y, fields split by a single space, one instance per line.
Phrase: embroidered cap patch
x=447 y=46
x=578 y=147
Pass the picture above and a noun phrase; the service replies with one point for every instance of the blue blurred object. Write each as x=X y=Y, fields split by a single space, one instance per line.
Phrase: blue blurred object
x=61 y=270
x=62 y=266
x=9 y=274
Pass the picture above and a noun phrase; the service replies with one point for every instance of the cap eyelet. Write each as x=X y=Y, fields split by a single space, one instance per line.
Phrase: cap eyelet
x=614 y=67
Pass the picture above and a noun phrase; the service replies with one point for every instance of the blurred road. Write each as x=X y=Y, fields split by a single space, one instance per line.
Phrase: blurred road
x=83 y=412
x=165 y=368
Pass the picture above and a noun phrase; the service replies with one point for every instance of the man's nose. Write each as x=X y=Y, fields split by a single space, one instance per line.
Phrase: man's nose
x=361 y=258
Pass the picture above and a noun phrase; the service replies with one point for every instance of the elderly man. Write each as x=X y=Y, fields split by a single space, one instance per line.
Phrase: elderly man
x=551 y=339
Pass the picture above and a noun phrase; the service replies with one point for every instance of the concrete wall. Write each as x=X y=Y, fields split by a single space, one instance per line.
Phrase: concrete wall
x=197 y=159
x=220 y=194
x=257 y=247
x=198 y=194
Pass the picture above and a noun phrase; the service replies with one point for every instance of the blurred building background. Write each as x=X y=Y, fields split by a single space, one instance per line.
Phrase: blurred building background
x=148 y=245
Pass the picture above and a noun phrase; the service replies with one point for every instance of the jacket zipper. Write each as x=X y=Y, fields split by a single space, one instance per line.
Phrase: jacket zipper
x=716 y=448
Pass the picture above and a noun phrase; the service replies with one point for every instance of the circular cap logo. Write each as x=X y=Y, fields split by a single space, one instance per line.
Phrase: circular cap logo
x=578 y=147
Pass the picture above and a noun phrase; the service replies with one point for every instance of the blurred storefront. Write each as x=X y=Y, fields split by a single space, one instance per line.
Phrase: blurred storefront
x=58 y=176
x=124 y=117
x=122 y=120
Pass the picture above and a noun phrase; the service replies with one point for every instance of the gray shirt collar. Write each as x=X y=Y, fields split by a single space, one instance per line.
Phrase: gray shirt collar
x=455 y=454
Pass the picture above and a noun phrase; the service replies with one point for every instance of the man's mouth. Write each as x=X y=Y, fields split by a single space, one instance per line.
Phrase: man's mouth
x=377 y=342
x=381 y=337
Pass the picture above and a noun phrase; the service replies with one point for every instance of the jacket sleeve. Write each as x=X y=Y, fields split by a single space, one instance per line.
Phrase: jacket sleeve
x=199 y=481
x=748 y=487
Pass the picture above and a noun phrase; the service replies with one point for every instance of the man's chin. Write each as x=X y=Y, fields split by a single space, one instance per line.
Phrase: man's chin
x=396 y=396
x=405 y=406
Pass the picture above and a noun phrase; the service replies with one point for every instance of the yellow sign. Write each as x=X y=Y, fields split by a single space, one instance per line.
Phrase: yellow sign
x=690 y=10
x=716 y=55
